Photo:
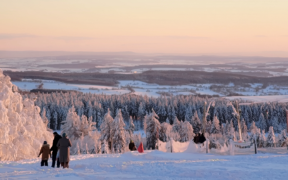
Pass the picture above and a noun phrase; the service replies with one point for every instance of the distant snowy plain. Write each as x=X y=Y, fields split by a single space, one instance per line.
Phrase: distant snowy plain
x=155 y=165
x=154 y=90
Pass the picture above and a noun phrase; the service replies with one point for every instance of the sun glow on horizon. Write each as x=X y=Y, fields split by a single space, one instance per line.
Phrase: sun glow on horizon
x=162 y=26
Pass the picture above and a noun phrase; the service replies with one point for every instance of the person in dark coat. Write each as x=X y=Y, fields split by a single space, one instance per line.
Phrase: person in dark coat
x=202 y=138
x=132 y=146
x=196 y=138
x=54 y=149
x=45 y=151
x=64 y=145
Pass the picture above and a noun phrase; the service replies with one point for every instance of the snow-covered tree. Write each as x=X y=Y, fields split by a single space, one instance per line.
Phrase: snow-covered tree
x=208 y=127
x=131 y=126
x=105 y=148
x=165 y=130
x=196 y=123
x=283 y=138
x=152 y=130
x=271 y=137
x=186 y=133
x=171 y=113
x=167 y=120
x=19 y=121
x=276 y=126
x=262 y=122
x=141 y=111
x=227 y=128
x=253 y=128
x=176 y=125
x=215 y=128
x=244 y=130
x=118 y=132
x=44 y=117
x=82 y=132
x=231 y=133
x=106 y=128
x=189 y=115
x=86 y=126
x=262 y=139
x=71 y=124
x=255 y=132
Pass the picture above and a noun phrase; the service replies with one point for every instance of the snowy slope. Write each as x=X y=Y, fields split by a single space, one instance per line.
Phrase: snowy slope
x=155 y=165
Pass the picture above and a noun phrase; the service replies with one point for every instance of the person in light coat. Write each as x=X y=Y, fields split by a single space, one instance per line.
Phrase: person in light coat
x=64 y=145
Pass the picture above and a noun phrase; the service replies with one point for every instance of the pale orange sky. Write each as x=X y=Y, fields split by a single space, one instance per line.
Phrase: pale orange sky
x=238 y=27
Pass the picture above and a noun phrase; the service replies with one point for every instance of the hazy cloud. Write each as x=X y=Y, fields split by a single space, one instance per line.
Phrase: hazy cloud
x=13 y=36
x=74 y=38
x=260 y=36
x=83 y=38
x=186 y=37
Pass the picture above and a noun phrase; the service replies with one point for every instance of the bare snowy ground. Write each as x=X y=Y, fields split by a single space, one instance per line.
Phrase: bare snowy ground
x=155 y=165
x=154 y=90
x=260 y=99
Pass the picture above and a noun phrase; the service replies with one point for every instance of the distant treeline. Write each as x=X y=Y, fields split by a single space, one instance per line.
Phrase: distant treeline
x=55 y=107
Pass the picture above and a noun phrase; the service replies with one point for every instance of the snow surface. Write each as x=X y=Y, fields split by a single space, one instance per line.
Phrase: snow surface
x=155 y=165
x=155 y=90
x=259 y=99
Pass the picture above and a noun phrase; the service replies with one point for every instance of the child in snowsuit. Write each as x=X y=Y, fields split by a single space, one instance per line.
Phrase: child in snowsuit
x=45 y=151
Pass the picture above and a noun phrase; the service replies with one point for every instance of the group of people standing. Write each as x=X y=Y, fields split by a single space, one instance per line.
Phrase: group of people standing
x=199 y=138
x=132 y=147
x=60 y=151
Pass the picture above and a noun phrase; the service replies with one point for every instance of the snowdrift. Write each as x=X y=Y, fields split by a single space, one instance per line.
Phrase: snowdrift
x=22 y=130
x=179 y=147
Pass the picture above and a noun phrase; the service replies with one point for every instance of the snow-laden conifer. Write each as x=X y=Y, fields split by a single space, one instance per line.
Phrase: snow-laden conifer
x=105 y=147
x=215 y=128
x=262 y=139
x=80 y=132
x=262 y=122
x=152 y=129
x=165 y=132
x=22 y=128
x=186 y=132
x=283 y=138
x=176 y=125
x=106 y=128
x=271 y=137
x=118 y=133
x=131 y=126
x=196 y=123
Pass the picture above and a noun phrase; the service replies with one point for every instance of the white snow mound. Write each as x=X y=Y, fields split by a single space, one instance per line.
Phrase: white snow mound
x=22 y=130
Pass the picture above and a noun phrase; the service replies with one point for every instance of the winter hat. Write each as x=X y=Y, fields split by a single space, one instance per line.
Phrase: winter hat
x=64 y=135
x=55 y=133
x=45 y=142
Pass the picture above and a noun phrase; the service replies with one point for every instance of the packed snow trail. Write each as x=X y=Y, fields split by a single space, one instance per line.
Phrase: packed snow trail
x=154 y=165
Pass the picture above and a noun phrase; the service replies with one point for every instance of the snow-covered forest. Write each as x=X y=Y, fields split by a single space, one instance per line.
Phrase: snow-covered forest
x=179 y=118
x=54 y=107
x=106 y=123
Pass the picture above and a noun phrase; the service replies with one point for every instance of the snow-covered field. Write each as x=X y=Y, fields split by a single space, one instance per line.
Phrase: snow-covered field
x=154 y=90
x=155 y=165
x=260 y=99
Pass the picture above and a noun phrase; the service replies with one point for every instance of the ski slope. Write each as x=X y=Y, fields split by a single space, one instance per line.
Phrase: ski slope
x=155 y=165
